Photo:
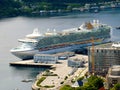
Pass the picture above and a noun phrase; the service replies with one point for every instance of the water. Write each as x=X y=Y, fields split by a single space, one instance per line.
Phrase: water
x=12 y=29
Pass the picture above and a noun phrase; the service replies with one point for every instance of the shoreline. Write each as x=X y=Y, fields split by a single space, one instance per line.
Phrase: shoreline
x=62 y=76
x=44 y=15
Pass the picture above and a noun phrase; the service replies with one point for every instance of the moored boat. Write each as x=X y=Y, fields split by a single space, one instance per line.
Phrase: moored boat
x=117 y=27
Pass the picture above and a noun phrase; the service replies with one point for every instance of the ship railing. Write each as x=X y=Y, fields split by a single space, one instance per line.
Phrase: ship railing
x=76 y=41
x=53 y=46
x=70 y=38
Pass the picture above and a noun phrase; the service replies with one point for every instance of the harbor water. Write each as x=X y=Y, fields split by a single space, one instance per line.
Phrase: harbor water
x=15 y=28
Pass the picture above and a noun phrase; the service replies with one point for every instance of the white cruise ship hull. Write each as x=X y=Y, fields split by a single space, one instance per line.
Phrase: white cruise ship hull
x=27 y=54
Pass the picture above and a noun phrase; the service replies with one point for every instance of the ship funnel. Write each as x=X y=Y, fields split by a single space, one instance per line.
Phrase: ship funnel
x=89 y=26
x=97 y=21
x=48 y=30
x=94 y=21
x=35 y=31
x=34 y=35
x=54 y=32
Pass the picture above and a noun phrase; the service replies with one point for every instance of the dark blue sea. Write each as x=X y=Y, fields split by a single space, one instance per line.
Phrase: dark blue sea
x=15 y=28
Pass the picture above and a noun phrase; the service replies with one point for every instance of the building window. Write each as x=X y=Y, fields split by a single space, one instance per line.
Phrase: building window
x=101 y=51
x=97 y=51
x=114 y=81
x=114 y=51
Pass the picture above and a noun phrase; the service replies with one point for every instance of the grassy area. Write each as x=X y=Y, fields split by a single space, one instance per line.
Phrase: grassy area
x=40 y=80
x=66 y=87
x=46 y=86
x=48 y=73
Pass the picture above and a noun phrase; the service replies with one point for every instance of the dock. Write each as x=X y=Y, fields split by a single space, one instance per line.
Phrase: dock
x=29 y=63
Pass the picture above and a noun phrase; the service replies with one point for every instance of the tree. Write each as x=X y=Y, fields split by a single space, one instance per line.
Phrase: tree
x=116 y=87
x=66 y=87
x=9 y=8
x=89 y=86
x=94 y=82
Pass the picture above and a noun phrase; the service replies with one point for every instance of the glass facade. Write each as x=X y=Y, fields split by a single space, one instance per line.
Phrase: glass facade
x=103 y=59
x=44 y=58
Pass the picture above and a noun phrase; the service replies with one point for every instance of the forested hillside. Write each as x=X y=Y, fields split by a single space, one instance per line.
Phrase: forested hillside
x=9 y=8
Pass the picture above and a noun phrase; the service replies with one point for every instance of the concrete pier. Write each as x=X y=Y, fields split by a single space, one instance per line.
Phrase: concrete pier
x=29 y=63
x=62 y=70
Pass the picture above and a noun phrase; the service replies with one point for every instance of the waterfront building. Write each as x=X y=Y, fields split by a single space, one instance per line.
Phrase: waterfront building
x=75 y=63
x=103 y=56
x=113 y=76
x=45 y=58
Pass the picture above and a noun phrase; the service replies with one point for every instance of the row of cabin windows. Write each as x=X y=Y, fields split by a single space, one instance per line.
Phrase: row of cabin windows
x=45 y=58
x=108 y=51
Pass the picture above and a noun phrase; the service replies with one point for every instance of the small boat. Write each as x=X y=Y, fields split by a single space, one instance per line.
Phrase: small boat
x=27 y=80
x=117 y=27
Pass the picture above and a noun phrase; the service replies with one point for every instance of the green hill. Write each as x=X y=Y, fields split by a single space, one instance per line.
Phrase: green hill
x=11 y=8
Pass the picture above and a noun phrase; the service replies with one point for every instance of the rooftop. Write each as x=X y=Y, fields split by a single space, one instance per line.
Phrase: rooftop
x=115 y=70
x=58 y=54
x=116 y=66
x=106 y=46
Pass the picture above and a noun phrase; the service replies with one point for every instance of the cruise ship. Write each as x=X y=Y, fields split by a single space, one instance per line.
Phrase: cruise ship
x=66 y=40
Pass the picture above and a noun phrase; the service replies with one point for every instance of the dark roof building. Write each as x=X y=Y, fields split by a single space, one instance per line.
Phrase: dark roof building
x=103 y=57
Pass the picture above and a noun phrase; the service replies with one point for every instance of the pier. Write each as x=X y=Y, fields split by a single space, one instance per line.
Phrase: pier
x=61 y=71
x=29 y=63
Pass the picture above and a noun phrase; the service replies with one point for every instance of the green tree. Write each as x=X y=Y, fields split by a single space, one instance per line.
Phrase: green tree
x=89 y=86
x=94 y=83
x=80 y=78
x=116 y=87
x=9 y=8
x=66 y=87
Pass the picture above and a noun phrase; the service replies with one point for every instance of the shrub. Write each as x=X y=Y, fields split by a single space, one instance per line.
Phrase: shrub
x=66 y=87
x=62 y=82
x=65 y=77
x=80 y=78
x=46 y=86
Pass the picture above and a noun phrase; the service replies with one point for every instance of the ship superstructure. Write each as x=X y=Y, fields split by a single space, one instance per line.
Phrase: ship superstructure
x=66 y=40
x=27 y=48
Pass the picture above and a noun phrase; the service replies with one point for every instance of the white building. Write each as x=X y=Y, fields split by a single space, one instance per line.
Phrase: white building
x=75 y=63
x=45 y=58
x=113 y=76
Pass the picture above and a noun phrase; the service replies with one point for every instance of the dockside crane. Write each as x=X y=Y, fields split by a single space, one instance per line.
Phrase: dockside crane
x=92 y=56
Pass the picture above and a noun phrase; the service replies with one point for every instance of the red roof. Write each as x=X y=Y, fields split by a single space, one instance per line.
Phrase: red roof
x=102 y=88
